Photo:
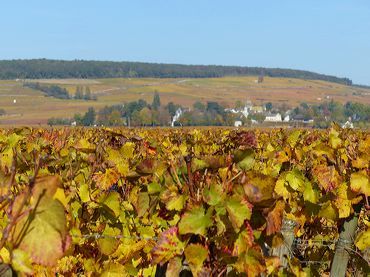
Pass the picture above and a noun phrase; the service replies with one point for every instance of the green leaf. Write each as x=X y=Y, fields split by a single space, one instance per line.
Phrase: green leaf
x=238 y=211
x=154 y=188
x=247 y=162
x=214 y=194
x=196 y=254
x=167 y=247
x=195 y=221
x=296 y=180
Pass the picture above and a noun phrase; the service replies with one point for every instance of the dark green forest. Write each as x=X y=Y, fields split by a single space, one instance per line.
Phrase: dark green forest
x=46 y=69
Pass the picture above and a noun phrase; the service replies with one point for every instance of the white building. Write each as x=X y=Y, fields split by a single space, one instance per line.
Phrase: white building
x=348 y=124
x=238 y=123
x=273 y=118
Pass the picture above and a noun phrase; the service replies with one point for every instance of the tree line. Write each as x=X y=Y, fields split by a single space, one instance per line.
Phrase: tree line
x=81 y=93
x=45 y=68
x=140 y=114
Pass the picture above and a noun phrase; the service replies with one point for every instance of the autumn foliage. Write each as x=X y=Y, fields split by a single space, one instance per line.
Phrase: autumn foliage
x=126 y=202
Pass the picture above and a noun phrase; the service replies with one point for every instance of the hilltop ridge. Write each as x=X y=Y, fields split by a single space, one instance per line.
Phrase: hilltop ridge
x=49 y=69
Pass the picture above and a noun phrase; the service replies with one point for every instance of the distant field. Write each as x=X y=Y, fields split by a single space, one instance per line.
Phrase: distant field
x=33 y=108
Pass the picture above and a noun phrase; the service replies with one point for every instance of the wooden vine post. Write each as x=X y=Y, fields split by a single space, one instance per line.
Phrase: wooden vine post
x=344 y=244
x=285 y=250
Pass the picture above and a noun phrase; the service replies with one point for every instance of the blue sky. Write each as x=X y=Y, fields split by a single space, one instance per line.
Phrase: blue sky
x=325 y=36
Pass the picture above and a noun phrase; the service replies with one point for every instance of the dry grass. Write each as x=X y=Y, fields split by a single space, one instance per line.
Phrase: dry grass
x=34 y=108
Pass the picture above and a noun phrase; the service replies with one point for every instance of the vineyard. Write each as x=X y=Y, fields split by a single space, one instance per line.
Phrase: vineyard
x=165 y=202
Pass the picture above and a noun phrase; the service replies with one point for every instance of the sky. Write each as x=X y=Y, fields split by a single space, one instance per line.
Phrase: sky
x=330 y=37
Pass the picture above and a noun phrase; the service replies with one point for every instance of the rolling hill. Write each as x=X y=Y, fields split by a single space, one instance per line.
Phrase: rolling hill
x=32 y=107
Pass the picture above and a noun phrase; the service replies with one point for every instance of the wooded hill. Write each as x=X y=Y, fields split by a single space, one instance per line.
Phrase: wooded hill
x=47 y=69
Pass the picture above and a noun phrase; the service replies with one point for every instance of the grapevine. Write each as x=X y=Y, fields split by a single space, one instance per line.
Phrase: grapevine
x=132 y=202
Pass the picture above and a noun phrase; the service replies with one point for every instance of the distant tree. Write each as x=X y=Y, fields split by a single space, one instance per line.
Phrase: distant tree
x=269 y=106
x=145 y=116
x=304 y=105
x=87 y=95
x=164 y=117
x=215 y=107
x=258 y=117
x=89 y=117
x=132 y=74
x=238 y=104
x=2 y=112
x=199 y=106
x=58 y=121
x=172 y=108
x=156 y=101
x=78 y=93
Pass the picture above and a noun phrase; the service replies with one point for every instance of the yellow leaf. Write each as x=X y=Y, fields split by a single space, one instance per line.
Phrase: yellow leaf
x=363 y=240
x=4 y=255
x=360 y=182
x=196 y=254
x=281 y=189
x=21 y=261
x=60 y=195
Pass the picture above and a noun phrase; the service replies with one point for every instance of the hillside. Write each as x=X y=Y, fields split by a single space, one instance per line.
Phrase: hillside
x=33 y=107
x=43 y=68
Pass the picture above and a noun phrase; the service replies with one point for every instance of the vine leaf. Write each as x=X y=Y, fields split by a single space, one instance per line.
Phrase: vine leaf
x=195 y=221
x=196 y=254
x=114 y=270
x=363 y=240
x=274 y=218
x=360 y=183
x=327 y=177
x=43 y=233
x=329 y=211
x=108 y=243
x=244 y=241
x=251 y=263
x=214 y=194
x=173 y=199
x=121 y=163
x=174 y=267
x=272 y=265
x=105 y=180
x=238 y=212
x=167 y=247
x=21 y=261
x=112 y=202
